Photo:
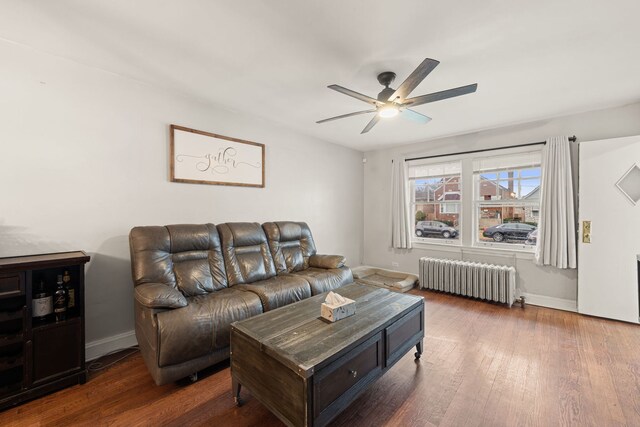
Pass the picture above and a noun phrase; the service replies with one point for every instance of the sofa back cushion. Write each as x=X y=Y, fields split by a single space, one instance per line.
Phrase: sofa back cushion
x=246 y=252
x=197 y=258
x=151 y=256
x=187 y=257
x=291 y=244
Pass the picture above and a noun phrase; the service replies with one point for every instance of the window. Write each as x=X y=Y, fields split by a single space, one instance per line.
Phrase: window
x=435 y=201
x=489 y=200
x=450 y=208
x=507 y=199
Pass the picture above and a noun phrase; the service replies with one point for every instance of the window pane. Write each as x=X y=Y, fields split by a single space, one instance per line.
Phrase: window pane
x=447 y=208
x=436 y=196
x=530 y=191
x=512 y=188
x=416 y=170
x=490 y=190
x=489 y=176
x=502 y=163
x=530 y=173
x=507 y=198
x=508 y=224
x=437 y=220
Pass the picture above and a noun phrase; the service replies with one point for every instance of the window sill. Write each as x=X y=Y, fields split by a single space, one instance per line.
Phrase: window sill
x=509 y=247
x=520 y=252
x=480 y=250
x=442 y=243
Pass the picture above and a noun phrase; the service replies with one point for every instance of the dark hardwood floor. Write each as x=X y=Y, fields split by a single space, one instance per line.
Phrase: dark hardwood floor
x=483 y=365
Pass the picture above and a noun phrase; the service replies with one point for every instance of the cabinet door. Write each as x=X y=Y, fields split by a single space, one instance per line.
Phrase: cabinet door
x=11 y=284
x=56 y=349
x=403 y=334
x=338 y=384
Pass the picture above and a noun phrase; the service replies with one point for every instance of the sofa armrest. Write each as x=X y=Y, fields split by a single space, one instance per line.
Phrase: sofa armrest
x=157 y=295
x=326 y=261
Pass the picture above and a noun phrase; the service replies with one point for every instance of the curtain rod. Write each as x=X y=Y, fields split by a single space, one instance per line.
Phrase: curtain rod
x=571 y=138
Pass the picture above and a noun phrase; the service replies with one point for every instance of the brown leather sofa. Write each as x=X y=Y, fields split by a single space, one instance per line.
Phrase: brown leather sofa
x=193 y=280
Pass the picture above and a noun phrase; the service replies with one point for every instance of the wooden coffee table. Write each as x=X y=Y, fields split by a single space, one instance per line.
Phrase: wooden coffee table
x=307 y=370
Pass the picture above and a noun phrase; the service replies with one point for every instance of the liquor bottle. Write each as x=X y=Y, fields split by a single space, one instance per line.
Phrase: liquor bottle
x=60 y=301
x=71 y=292
x=42 y=303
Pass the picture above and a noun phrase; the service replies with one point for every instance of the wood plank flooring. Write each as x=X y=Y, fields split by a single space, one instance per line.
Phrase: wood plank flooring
x=483 y=365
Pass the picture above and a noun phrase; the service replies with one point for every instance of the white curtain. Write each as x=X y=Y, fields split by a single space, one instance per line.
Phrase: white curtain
x=400 y=220
x=556 y=230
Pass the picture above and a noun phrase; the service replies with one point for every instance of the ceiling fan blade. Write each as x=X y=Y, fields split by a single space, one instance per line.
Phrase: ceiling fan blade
x=371 y=124
x=415 y=116
x=414 y=79
x=439 y=96
x=355 y=94
x=346 y=115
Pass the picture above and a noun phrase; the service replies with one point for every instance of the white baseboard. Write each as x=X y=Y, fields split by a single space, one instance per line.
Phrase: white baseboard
x=98 y=348
x=551 y=302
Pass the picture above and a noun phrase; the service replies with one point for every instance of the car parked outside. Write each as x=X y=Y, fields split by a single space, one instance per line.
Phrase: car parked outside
x=532 y=238
x=435 y=228
x=508 y=231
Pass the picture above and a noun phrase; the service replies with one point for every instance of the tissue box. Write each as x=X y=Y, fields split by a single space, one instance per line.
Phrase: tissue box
x=333 y=312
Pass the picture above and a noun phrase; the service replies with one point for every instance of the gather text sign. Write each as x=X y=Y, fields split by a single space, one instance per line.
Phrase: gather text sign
x=206 y=158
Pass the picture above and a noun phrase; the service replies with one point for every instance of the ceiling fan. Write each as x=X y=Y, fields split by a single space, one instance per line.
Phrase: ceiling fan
x=391 y=102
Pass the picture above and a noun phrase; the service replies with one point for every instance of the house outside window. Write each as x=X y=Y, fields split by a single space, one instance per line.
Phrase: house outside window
x=450 y=208
x=507 y=200
x=435 y=201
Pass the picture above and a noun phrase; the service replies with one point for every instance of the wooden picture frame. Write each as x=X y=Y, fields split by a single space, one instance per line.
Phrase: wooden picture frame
x=199 y=157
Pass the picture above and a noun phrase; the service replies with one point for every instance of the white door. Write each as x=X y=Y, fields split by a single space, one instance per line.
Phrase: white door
x=607 y=267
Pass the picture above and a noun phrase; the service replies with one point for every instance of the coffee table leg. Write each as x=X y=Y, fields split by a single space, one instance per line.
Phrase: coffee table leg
x=418 y=350
x=235 y=386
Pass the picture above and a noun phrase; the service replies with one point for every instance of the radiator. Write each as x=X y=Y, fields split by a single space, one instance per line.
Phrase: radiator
x=472 y=279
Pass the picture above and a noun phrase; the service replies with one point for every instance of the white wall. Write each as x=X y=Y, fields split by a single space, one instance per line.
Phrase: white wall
x=84 y=157
x=542 y=284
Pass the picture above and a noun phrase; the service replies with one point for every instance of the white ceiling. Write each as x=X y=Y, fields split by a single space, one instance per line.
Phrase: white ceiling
x=274 y=59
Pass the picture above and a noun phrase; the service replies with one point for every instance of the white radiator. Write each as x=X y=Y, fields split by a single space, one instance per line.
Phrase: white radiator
x=472 y=279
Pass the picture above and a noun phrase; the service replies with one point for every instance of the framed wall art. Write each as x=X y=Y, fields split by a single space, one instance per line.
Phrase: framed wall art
x=206 y=158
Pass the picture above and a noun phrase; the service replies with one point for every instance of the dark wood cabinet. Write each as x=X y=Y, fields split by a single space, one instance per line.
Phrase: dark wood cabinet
x=38 y=356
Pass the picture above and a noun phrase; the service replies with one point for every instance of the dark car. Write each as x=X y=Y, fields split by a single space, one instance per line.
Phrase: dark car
x=532 y=238
x=509 y=231
x=435 y=228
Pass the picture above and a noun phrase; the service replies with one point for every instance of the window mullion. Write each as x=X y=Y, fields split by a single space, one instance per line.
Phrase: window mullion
x=466 y=202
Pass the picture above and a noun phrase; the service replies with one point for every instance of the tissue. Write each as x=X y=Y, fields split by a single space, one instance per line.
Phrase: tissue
x=334 y=299
x=336 y=307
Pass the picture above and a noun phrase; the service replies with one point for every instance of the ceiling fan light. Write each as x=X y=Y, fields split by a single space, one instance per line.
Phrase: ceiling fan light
x=388 y=111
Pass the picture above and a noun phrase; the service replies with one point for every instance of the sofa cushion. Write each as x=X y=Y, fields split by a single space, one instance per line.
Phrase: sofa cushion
x=157 y=295
x=326 y=261
x=187 y=257
x=202 y=326
x=197 y=259
x=246 y=252
x=323 y=280
x=280 y=290
x=151 y=256
x=291 y=244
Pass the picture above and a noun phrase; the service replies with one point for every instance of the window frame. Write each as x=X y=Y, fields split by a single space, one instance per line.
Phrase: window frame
x=457 y=241
x=478 y=203
x=468 y=215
